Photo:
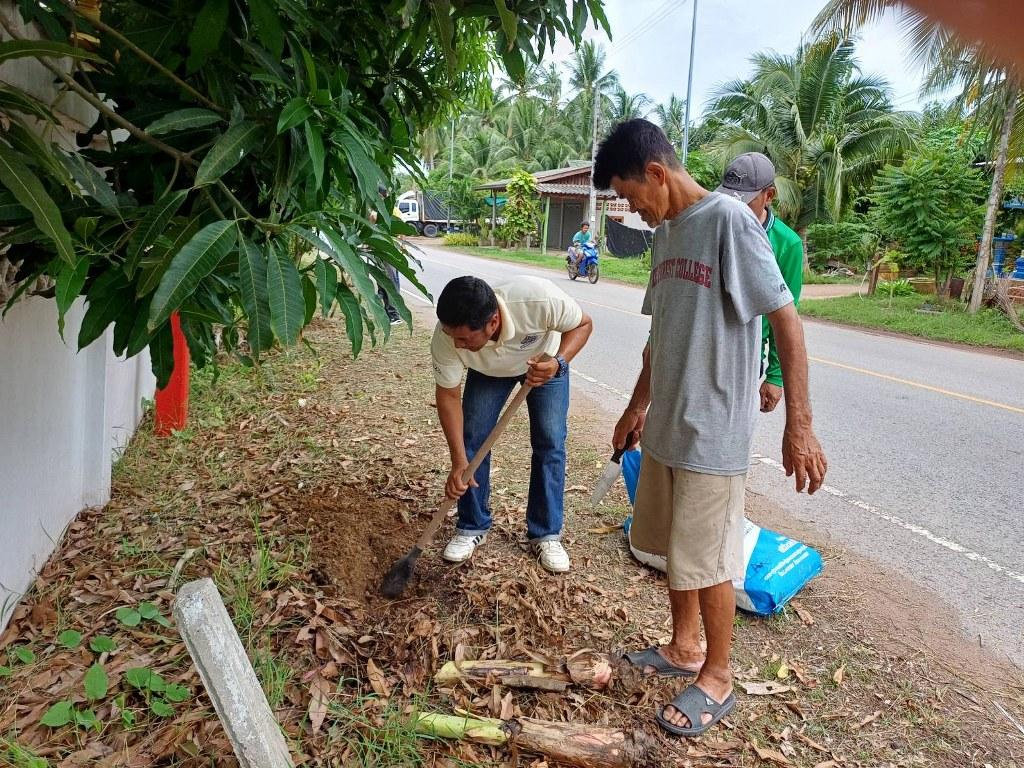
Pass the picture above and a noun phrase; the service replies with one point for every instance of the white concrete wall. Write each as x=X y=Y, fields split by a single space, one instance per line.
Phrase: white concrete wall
x=64 y=417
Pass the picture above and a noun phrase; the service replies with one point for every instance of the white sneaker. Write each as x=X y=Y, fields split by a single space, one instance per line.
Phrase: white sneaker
x=552 y=555
x=462 y=547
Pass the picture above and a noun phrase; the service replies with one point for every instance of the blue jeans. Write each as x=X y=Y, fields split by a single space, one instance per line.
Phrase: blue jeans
x=549 y=408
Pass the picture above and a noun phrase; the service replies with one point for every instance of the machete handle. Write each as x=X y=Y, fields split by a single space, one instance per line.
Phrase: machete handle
x=617 y=456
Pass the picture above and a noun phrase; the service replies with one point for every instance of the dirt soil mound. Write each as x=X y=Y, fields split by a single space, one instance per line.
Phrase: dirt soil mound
x=353 y=540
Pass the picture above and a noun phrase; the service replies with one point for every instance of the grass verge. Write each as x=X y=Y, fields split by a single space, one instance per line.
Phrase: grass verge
x=922 y=316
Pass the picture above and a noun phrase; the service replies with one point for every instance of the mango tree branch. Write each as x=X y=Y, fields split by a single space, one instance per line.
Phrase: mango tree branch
x=102 y=108
x=109 y=30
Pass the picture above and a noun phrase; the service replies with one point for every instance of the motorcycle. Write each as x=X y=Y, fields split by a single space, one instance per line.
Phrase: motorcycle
x=582 y=261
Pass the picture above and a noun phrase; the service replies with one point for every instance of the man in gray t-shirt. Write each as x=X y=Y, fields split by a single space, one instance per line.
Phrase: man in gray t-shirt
x=713 y=275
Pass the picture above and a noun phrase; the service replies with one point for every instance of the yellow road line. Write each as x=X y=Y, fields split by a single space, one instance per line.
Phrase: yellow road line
x=918 y=385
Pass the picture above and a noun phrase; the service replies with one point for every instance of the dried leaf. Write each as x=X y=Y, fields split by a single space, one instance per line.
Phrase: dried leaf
x=377 y=680
x=840 y=673
x=319 y=694
x=771 y=755
x=507 y=707
x=869 y=719
x=803 y=613
x=764 y=688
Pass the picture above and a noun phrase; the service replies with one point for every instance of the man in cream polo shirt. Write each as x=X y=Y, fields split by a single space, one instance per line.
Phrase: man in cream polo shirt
x=498 y=335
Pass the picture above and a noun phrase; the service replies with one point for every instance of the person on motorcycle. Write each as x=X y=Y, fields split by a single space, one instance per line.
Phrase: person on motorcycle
x=580 y=239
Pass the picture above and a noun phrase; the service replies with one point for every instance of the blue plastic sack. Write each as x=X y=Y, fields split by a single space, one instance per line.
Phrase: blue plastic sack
x=777 y=567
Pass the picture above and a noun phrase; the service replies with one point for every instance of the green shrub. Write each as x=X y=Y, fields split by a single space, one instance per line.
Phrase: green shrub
x=461 y=239
x=890 y=288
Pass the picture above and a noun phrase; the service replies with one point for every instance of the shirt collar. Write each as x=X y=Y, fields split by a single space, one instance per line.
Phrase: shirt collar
x=769 y=221
x=508 y=328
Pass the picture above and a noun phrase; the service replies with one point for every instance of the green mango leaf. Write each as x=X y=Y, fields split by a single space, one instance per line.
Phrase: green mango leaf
x=24 y=654
x=183 y=120
x=284 y=289
x=176 y=693
x=211 y=21
x=152 y=226
x=294 y=112
x=60 y=714
x=154 y=262
x=16 y=100
x=252 y=278
x=70 y=638
x=345 y=257
x=102 y=644
x=267 y=24
x=161 y=356
x=95 y=682
x=128 y=616
x=28 y=191
x=362 y=164
x=139 y=677
x=106 y=299
x=197 y=259
x=11 y=211
x=236 y=143
x=309 y=298
x=326 y=284
x=508 y=18
x=44 y=49
x=70 y=282
x=161 y=708
x=91 y=182
x=35 y=150
x=393 y=293
x=315 y=144
x=353 y=317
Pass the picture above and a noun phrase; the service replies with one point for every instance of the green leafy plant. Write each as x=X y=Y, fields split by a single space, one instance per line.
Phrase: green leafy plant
x=851 y=241
x=70 y=639
x=893 y=288
x=132 y=617
x=258 y=137
x=522 y=209
x=156 y=690
x=462 y=239
x=24 y=654
x=102 y=644
x=933 y=206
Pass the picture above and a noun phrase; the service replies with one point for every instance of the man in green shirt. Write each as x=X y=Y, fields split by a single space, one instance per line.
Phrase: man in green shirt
x=751 y=178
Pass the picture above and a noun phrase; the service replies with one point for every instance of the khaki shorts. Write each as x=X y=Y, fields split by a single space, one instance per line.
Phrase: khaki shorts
x=692 y=519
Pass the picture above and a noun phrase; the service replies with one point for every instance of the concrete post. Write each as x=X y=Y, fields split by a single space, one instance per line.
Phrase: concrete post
x=544 y=234
x=229 y=678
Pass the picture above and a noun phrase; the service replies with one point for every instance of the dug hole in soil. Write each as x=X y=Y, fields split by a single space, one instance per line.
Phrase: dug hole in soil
x=354 y=539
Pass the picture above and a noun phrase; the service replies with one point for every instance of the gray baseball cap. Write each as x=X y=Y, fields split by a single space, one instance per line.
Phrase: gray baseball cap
x=746 y=176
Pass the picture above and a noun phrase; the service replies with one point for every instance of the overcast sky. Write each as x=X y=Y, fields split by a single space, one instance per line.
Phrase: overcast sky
x=651 y=45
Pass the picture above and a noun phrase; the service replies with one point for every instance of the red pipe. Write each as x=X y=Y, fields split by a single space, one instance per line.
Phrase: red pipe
x=172 y=400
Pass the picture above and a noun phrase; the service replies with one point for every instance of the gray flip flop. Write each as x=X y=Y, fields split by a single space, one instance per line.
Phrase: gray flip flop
x=662 y=667
x=693 y=703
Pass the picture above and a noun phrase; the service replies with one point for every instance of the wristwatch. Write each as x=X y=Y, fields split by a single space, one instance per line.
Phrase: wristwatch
x=563 y=367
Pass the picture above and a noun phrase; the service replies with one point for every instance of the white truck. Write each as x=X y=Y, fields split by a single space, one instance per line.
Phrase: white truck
x=428 y=213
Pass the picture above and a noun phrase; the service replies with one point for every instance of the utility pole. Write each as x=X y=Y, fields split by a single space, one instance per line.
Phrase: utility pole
x=689 y=85
x=593 y=155
x=451 y=167
x=451 y=152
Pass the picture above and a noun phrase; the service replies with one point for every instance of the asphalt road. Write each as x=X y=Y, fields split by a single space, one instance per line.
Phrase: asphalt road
x=925 y=445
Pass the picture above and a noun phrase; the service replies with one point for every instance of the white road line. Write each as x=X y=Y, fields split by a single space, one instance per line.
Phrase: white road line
x=952 y=546
x=601 y=384
x=418 y=297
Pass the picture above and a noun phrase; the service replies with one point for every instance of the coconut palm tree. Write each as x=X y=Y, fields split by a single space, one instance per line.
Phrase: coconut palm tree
x=672 y=119
x=587 y=78
x=625 y=106
x=827 y=127
x=993 y=93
